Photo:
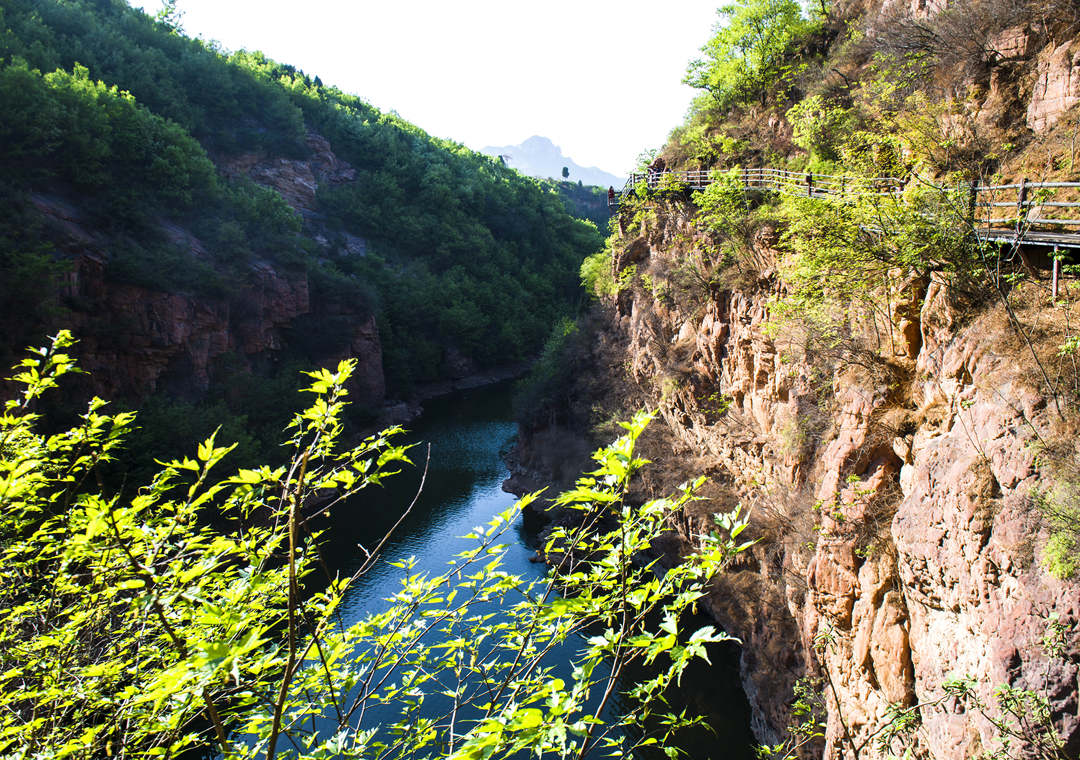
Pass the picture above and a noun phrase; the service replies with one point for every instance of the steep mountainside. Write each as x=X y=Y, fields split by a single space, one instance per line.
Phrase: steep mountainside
x=894 y=403
x=199 y=217
x=895 y=501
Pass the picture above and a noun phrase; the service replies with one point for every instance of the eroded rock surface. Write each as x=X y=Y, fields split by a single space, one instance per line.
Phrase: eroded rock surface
x=297 y=180
x=135 y=340
x=899 y=539
x=1057 y=86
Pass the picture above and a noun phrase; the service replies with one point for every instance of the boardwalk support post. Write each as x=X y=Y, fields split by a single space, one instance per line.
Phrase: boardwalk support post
x=973 y=201
x=1054 y=278
x=1021 y=199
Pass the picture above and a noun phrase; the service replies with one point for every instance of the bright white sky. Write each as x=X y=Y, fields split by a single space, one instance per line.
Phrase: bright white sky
x=600 y=78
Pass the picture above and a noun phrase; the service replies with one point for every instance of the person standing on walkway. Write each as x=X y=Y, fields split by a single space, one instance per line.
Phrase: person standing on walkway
x=656 y=168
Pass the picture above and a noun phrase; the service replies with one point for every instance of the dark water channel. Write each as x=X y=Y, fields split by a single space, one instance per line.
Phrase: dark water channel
x=469 y=433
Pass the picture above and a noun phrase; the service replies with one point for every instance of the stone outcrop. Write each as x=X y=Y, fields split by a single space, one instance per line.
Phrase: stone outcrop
x=296 y=180
x=1011 y=83
x=1057 y=85
x=900 y=546
x=136 y=340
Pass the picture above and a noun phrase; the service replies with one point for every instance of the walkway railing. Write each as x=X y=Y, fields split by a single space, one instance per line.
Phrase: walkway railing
x=1043 y=212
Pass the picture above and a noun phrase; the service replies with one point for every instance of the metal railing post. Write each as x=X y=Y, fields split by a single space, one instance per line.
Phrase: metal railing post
x=1054 y=277
x=973 y=201
x=809 y=184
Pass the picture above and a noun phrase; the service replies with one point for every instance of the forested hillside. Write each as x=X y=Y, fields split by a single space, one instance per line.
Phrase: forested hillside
x=135 y=161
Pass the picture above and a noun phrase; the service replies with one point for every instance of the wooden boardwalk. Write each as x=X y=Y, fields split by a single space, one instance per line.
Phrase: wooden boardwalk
x=1027 y=213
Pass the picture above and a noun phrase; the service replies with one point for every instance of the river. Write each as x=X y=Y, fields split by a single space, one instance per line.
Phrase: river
x=469 y=434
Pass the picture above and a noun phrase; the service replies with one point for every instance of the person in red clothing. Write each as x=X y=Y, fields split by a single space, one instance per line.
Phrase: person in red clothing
x=611 y=196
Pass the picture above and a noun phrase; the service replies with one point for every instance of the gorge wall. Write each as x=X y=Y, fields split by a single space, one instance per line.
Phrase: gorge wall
x=898 y=446
x=136 y=340
x=893 y=497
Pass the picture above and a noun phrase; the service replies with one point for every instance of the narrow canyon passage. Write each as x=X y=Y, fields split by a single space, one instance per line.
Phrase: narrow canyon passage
x=469 y=434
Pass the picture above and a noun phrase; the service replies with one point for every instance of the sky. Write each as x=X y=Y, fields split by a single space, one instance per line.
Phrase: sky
x=600 y=78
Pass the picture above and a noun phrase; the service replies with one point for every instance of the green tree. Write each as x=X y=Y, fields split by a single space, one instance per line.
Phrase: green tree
x=818 y=127
x=746 y=58
x=132 y=628
x=171 y=16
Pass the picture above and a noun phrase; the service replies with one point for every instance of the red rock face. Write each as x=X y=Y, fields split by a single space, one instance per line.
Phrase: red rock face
x=131 y=336
x=1057 y=86
x=923 y=562
x=367 y=386
x=966 y=534
x=133 y=339
x=295 y=179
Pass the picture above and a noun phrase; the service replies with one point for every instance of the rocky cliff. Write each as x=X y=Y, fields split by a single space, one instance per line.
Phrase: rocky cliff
x=136 y=340
x=893 y=496
x=901 y=448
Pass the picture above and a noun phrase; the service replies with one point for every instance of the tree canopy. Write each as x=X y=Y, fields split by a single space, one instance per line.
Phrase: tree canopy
x=746 y=56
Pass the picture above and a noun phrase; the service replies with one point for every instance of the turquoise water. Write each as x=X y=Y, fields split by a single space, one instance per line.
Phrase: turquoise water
x=469 y=433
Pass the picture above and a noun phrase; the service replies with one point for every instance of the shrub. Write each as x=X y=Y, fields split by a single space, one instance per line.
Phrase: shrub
x=840 y=254
x=596 y=274
x=747 y=57
x=543 y=395
x=818 y=126
x=131 y=626
x=1059 y=505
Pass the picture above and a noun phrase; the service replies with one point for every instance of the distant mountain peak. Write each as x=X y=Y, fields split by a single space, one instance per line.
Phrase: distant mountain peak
x=538 y=156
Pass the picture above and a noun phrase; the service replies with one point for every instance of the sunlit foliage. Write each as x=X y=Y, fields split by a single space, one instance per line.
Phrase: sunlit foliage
x=188 y=613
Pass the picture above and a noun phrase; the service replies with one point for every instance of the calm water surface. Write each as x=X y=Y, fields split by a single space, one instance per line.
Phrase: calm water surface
x=469 y=433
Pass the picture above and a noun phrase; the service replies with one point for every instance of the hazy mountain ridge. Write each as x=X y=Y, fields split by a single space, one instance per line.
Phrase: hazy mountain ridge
x=540 y=157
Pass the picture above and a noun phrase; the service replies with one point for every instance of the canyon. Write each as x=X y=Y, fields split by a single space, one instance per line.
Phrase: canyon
x=899 y=450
